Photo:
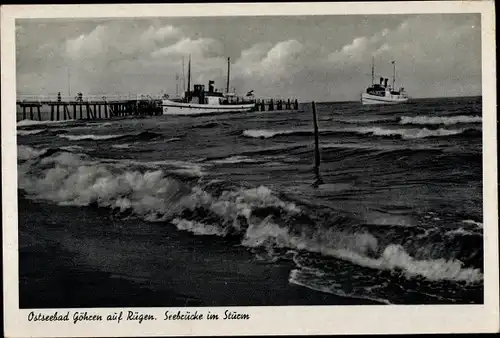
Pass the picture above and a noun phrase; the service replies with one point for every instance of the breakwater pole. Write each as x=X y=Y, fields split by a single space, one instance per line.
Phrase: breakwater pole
x=317 y=160
x=89 y=110
x=276 y=104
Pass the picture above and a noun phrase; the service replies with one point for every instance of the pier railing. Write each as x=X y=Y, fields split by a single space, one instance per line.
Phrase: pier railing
x=86 y=98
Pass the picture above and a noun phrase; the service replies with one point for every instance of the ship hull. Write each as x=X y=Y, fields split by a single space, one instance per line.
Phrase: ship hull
x=179 y=108
x=374 y=99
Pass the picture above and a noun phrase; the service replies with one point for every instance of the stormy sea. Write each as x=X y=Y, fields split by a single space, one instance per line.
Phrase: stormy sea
x=221 y=210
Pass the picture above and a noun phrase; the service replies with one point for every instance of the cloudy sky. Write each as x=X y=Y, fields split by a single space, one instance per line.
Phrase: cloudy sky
x=324 y=58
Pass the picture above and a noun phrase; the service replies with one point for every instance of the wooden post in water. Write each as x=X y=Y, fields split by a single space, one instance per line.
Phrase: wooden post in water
x=52 y=112
x=81 y=111
x=31 y=112
x=39 y=113
x=57 y=112
x=105 y=109
x=66 y=111
x=74 y=111
x=317 y=158
x=24 y=112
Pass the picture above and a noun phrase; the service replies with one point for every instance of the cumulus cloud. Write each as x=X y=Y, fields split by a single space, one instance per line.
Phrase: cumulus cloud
x=269 y=60
x=88 y=45
x=187 y=46
x=160 y=33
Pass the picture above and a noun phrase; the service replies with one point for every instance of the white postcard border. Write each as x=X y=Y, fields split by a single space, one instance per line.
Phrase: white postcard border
x=289 y=320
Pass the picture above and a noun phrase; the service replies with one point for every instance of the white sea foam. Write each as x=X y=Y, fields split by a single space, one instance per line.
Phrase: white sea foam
x=121 y=146
x=181 y=167
x=376 y=131
x=30 y=132
x=74 y=179
x=469 y=221
x=27 y=153
x=88 y=137
x=446 y=120
x=261 y=133
x=198 y=228
x=235 y=159
x=25 y=123
x=314 y=279
x=360 y=249
x=106 y=124
x=173 y=139
x=409 y=133
x=459 y=231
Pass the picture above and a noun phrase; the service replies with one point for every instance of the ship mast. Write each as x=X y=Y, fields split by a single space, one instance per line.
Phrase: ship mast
x=183 y=76
x=393 y=74
x=189 y=75
x=228 y=73
x=176 y=84
x=373 y=70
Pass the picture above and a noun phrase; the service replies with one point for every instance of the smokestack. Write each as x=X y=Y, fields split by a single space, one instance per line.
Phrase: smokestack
x=385 y=82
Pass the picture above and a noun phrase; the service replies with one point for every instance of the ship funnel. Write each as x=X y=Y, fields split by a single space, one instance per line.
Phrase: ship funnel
x=385 y=82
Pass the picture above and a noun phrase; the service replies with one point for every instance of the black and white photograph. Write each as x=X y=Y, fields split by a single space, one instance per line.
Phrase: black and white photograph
x=200 y=162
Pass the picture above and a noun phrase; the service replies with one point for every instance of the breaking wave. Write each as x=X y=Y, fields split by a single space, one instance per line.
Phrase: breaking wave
x=410 y=133
x=26 y=152
x=25 y=123
x=445 y=120
x=30 y=132
x=121 y=146
x=235 y=159
x=476 y=223
x=257 y=215
x=260 y=133
x=143 y=136
x=369 y=131
x=88 y=137
x=317 y=280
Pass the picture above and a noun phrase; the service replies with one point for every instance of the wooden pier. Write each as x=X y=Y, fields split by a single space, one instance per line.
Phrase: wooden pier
x=90 y=110
x=94 y=109
x=276 y=104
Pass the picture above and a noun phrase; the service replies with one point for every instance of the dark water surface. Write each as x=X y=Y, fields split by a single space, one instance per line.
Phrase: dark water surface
x=220 y=210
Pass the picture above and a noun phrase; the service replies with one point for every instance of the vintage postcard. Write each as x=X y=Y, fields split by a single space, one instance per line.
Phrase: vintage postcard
x=249 y=169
